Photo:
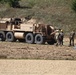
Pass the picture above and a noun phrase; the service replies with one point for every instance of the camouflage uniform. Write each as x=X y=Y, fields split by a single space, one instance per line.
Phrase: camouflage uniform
x=57 y=37
x=61 y=36
x=71 y=38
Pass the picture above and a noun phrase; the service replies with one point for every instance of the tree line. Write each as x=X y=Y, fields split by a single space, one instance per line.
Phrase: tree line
x=16 y=4
x=11 y=3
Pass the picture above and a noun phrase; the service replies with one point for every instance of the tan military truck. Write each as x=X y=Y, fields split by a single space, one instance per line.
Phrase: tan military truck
x=27 y=31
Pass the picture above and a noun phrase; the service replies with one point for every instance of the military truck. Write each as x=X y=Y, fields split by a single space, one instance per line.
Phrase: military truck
x=13 y=29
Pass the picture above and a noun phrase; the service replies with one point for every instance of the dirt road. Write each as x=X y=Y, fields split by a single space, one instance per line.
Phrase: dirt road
x=34 y=51
x=37 y=67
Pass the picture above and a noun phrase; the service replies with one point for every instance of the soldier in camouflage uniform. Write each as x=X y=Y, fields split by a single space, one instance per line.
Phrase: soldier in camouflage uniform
x=61 y=36
x=71 y=38
x=57 y=37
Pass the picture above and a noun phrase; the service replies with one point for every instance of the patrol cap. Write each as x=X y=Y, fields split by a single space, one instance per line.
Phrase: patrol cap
x=61 y=30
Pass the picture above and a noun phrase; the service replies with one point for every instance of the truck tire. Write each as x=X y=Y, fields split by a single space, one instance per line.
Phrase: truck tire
x=51 y=42
x=39 y=39
x=29 y=38
x=10 y=37
x=2 y=36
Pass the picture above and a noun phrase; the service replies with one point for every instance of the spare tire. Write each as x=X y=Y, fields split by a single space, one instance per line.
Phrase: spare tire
x=10 y=37
x=39 y=39
x=2 y=36
x=29 y=38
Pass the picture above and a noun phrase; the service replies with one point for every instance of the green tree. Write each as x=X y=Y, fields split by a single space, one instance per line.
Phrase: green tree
x=11 y=3
x=74 y=5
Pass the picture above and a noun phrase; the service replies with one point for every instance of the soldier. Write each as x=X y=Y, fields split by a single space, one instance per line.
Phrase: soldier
x=57 y=37
x=61 y=36
x=71 y=38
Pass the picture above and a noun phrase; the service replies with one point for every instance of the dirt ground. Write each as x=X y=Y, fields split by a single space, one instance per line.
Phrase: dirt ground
x=20 y=50
x=37 y=67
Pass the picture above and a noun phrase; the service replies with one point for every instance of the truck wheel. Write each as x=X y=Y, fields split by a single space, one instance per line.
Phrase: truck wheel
x=10 y=37
x=29 y=38
x=39 y=39
x=2 y=36
x=51 y=42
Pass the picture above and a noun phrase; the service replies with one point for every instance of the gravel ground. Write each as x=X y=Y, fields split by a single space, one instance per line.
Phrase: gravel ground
x=15 y=59
x=17 y=50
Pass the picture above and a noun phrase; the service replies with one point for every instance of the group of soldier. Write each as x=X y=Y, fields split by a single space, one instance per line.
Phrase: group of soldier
x=59 y=36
